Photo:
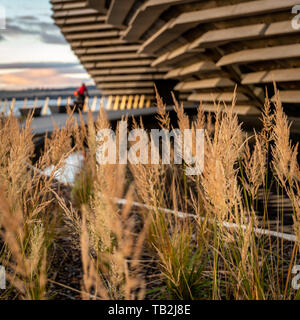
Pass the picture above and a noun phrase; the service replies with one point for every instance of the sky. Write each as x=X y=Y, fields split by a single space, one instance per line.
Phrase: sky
x=33 y=52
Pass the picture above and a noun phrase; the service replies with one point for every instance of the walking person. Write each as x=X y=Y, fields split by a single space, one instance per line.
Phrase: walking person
x=81 y=94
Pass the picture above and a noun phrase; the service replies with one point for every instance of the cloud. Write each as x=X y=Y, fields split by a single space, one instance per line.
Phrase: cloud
x=36 y=78
x=15 y=30
x=52 y=38
x=35 y=74
x=38 y=65
x=46 y=26
x=71 y=70
x=15 y=80
x=30 y=26
x=41 y=74
x=28 y=18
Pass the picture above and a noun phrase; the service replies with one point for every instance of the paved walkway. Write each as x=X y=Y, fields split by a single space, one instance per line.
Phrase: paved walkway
x=46 y=123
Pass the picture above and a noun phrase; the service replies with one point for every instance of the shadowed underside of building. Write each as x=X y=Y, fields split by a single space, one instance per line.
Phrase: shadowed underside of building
x=199 y=49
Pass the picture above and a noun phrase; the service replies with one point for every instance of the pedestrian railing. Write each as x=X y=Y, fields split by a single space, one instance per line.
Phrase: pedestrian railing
x=116 y=102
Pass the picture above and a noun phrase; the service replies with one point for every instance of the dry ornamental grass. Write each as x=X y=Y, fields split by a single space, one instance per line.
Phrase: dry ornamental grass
x=145 y=252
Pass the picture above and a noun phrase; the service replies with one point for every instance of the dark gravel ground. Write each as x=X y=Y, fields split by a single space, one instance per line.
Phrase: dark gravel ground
x=67 y=269
x=65 y=276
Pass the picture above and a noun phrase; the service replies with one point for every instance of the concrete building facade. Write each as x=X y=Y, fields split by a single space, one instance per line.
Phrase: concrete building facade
x=199 y=49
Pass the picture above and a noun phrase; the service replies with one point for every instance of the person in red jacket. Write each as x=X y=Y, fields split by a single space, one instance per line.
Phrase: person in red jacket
x=83 y=92
x=80 y=95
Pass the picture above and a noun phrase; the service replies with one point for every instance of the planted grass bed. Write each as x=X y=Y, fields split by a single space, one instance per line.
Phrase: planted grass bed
x=35 y=111
x=58 y=109
x=75 y=241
